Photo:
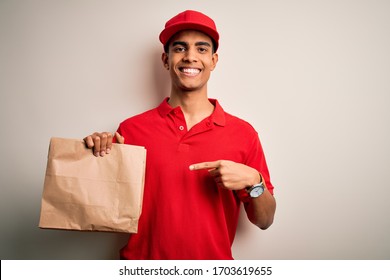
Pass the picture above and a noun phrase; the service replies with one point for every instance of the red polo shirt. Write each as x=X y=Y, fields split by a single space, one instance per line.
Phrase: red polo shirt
x=185 y=215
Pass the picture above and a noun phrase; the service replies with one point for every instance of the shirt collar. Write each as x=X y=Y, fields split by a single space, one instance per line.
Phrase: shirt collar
x=218 y=115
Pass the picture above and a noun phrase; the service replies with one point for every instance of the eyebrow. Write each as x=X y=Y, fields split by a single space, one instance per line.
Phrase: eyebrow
x=201 y=43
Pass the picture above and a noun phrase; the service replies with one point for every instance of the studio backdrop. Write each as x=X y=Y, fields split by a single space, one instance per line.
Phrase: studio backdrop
x=312 y=77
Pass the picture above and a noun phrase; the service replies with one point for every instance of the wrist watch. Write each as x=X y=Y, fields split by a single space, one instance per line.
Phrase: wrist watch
x=248 y=193
x=256 y=190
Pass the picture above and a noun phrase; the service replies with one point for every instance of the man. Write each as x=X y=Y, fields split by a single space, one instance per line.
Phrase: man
x=201 y=161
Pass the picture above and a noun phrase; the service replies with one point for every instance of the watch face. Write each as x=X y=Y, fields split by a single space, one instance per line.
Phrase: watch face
x=256 y=191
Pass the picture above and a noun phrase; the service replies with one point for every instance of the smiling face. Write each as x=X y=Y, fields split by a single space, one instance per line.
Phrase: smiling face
x=190 y=60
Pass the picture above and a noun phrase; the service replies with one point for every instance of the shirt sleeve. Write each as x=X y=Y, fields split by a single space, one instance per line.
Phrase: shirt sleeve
x=256 y=159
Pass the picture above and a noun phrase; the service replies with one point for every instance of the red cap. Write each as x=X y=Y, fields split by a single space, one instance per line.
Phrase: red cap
x=190 y=20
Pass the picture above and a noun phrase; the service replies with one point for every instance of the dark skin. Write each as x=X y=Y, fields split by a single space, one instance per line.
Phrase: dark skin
x=190 y=60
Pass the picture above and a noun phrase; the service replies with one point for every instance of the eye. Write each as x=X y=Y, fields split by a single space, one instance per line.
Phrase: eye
x=202 y=49
x=179 y=49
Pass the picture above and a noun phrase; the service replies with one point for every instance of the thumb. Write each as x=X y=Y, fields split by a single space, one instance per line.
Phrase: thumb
x=119 y=138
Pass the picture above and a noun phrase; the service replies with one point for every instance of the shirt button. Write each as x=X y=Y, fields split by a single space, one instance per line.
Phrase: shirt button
x=181 y=127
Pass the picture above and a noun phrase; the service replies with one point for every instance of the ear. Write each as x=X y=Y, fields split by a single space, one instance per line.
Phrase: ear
x=164 y=59
x=214 y=61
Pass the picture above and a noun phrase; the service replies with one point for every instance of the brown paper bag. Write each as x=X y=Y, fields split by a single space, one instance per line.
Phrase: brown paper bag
x=88 y=193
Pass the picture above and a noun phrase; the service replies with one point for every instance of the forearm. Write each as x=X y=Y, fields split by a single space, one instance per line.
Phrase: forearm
x=261 y=210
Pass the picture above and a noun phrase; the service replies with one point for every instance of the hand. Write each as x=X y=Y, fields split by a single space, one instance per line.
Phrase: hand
x=101 y=143
x=229 y=174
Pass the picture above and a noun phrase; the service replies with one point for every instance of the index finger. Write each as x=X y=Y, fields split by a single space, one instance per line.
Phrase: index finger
x=89 y=142
x=205 y=165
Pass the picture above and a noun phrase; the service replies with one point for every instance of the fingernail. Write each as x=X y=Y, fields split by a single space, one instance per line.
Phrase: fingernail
x=102 y=153
x=96 y=154
x=108 y=151
x=192 y=167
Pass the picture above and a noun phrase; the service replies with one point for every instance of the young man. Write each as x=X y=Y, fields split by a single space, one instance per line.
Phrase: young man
x=201 y=161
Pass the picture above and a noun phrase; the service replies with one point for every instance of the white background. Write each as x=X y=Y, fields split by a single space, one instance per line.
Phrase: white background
x=313 y=78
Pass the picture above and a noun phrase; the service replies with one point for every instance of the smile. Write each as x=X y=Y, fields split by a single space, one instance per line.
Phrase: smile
x=190 y=71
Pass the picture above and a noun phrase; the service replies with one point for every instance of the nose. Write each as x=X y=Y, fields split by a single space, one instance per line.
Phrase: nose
x=190 y=55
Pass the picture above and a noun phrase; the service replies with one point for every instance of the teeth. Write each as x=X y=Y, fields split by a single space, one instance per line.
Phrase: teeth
x=190 y=70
